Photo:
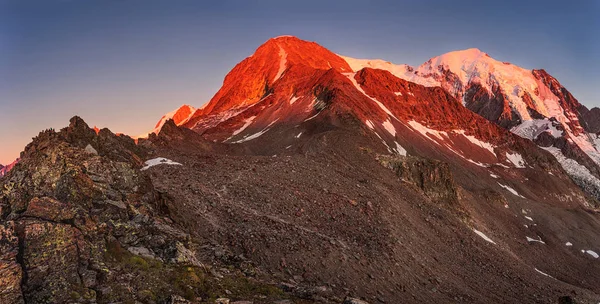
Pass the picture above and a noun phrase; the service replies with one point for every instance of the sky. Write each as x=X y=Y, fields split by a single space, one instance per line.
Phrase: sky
x=122 y=64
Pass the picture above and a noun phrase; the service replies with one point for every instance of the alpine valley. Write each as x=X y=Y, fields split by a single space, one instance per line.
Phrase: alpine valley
x=311 y=177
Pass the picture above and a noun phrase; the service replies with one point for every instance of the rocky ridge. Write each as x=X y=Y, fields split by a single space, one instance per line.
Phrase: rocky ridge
x=80 y=223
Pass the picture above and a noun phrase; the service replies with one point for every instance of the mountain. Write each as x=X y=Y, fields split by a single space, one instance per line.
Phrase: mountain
x=485 y=119
x=308 y=178
x=529 y=103
x=180 y=116
x=4 y=169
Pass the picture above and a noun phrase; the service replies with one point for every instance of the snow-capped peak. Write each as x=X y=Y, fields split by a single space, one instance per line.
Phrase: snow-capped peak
x=458 y=59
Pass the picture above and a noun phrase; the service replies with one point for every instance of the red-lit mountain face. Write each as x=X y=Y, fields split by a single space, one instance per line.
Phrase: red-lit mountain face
x=311 y=130
x=5 y=169
x=530 y=103
x=288 y=80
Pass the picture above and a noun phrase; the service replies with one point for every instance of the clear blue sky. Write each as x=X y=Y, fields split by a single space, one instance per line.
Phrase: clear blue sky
x=122 y=64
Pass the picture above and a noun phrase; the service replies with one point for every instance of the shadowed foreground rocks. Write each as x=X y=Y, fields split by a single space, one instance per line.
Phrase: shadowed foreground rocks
x=80 y=223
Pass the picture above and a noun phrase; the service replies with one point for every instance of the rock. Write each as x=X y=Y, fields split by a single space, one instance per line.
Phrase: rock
x=90 y=149
x=566 y=300
x=242 y=302
x=175 y=299
x=222 y=301
x=350 y=300
x=51 y=258
x=118 y=204
x=10 y=270
x=185 y=256
x=10 y=282
x=49 y=209
x=74 y=222
x=432 y=176
x=141 y=251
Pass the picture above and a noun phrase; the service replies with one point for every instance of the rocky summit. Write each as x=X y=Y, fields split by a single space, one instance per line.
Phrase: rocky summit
x=312 y=177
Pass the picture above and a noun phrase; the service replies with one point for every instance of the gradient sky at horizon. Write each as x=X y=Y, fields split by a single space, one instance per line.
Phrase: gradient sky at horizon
x=123 y=64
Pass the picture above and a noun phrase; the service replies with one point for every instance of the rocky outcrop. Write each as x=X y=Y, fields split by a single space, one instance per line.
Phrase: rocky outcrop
x=591 y=119
x=431 y=176
x=81 y=223
x=74 y=220
x=568 y=104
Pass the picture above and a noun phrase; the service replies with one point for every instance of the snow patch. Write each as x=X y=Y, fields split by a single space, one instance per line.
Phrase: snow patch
x=427 y=131
x=477 y=142
x=256 y=135
x=398 y=93
x=399 y=149
x=534 y=240
x=313 y=116
x=531 y=129
x=494 y=175
x=568 y=244
x=483 y=236
x=529 y=218
x=474 y=162
x=389 y=127
x=357 y=86
x=516 y=159
x=247 y=122
x=282 y=63
x=158 y=161
x=253 y=136
x=592 y=253
x=511 y=190
x=299 y=134
x=294 y=99
x=539 y=271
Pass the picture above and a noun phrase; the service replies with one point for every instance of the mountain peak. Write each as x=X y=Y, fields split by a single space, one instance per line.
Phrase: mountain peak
x=179 y=116
x=275 y=62
x=462 y=59
x=468 y=52
x=285 y=37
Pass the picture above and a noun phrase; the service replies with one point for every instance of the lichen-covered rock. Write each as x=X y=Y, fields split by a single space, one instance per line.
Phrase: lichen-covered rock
x=74 y=223
x=52 y=256
x=10 y=270
x=50 y=209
